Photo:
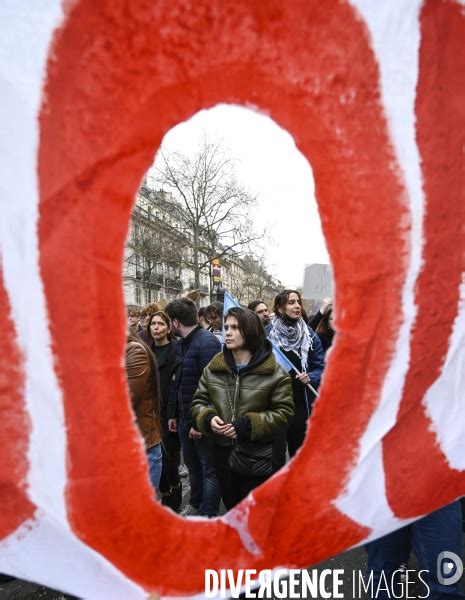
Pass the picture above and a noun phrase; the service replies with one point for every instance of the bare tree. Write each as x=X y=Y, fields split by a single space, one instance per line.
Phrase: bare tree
x=217 y=207
x=258 y=283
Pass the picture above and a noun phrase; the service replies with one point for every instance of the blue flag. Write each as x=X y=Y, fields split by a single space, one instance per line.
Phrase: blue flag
x=229 y=302
x=282 y=359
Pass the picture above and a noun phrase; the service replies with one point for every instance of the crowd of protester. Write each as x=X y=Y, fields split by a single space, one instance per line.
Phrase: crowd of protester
x=205 y=411
x=207 y=384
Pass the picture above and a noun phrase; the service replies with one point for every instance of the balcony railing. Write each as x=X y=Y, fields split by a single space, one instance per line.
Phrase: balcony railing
x=173 y=282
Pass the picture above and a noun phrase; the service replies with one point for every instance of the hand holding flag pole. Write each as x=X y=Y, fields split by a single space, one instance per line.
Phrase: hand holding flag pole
x=286 y=364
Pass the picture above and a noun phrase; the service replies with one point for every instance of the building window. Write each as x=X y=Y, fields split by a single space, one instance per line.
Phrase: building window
x=138 y=296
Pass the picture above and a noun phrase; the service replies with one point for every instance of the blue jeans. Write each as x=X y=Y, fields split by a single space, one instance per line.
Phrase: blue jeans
x=437 y=532
x=198 y=456
x=155 y=464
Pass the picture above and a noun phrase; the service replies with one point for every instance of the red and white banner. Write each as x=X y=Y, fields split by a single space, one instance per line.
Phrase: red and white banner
x=374 y=95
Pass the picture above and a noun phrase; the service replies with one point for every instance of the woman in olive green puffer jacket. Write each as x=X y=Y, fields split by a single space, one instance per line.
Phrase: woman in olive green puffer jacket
x=244 y=398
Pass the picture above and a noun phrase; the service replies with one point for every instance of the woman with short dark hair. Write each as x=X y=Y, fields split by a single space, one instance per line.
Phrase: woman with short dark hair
x=303 y=348
x=250 y=327
x=244 y=398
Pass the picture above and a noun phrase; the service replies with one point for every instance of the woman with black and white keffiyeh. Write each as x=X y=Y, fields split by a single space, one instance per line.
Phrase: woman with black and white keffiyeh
x=303 y=348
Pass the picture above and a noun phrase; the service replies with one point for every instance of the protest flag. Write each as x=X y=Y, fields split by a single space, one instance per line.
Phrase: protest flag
x=229 y=302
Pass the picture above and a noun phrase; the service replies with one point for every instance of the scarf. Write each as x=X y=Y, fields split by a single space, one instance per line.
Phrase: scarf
x=292 y=336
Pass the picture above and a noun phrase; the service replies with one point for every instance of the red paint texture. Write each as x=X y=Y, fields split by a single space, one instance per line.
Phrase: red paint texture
x=440 y=111
x=14 y=426
x=121 y=75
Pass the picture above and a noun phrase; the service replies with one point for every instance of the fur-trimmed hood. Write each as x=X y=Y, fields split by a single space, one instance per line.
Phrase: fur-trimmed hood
x=262 y=362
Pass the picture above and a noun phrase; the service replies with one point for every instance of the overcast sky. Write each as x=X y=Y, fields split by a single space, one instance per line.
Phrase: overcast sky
x=270 y=165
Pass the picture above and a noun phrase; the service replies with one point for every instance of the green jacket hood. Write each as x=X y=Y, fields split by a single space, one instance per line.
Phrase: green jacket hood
x=262 y=362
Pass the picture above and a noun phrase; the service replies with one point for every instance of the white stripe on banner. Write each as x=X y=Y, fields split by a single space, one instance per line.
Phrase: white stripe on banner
x=26 y=35
x=394 y=28
x=42 y=542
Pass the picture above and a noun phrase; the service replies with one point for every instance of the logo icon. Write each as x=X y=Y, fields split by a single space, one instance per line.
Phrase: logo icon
x=450 y=568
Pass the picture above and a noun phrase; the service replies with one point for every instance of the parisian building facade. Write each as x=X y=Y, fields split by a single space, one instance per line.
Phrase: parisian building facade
x=158 y=262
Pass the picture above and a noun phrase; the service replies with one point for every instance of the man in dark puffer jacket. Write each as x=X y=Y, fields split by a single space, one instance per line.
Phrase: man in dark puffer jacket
x=195 y=350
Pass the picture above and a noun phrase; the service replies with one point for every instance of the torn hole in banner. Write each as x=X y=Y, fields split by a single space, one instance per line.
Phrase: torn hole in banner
x=227 y=208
